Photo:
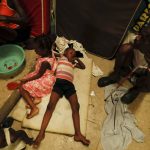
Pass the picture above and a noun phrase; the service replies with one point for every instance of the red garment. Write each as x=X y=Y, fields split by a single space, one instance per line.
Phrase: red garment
x=43 y=85
x=38 y=14
x=5 y=10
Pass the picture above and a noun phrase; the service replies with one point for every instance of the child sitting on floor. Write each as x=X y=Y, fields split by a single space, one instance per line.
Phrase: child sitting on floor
x=64 y=86
x=39 y=82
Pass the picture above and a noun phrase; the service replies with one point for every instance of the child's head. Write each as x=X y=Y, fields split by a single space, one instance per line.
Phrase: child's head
x=43 y=45
x=70 y=53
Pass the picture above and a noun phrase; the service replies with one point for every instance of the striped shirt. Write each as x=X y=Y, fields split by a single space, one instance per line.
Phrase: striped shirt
x=64 y=69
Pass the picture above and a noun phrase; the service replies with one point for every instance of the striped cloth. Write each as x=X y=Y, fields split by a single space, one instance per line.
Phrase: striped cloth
x=64 y=69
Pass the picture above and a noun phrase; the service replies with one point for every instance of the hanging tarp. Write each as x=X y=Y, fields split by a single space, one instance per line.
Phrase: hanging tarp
x=98 y=24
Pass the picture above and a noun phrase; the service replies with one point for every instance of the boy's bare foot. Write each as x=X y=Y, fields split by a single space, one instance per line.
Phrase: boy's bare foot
x=82 y=139
x=33 y=113
x=38 y=141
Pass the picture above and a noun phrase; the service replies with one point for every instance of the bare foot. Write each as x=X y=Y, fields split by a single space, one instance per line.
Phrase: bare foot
x=38 y=141
x=33 y=113
x=82 y=139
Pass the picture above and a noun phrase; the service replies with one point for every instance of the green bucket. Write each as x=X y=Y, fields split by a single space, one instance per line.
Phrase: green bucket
x=12 y=58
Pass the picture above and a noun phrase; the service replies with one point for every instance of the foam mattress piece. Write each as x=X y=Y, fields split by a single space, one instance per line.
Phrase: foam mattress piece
x=61 y=121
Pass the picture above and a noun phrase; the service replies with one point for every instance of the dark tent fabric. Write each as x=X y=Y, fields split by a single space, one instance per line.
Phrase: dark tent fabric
x=98 y=24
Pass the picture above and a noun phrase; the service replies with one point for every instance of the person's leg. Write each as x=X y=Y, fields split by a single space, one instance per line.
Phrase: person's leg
x=76 y=120
x=122 y=63
x=27 y=97
x=47 y=116
x=123 y=60
x=36 y=101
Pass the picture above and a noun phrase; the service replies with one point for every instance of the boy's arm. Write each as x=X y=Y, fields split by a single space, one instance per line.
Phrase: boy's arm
x=44 y=66
x=20 y=18
x=78 y=63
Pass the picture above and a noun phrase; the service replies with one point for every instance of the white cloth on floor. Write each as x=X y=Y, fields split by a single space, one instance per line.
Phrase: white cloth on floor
x=96 y=71
x=120 y=125
x=62 y=44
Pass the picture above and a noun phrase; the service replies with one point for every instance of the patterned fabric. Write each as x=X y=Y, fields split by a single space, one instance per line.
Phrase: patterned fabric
x=64 y=69
x=43 y=85
x=5 y=10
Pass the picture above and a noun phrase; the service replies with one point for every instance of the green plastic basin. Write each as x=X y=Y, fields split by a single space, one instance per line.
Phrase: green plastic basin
x=12 y=58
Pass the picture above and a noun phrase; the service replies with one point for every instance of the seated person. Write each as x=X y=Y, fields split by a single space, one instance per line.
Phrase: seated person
x=124 y=65
x=13 y=22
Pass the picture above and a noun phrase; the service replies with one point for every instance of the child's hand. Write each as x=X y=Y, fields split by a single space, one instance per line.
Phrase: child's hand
x=75 y=60
x=78 y=63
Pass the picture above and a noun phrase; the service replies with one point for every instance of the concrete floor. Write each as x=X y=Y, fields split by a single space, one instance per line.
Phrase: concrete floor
x=96 y=116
